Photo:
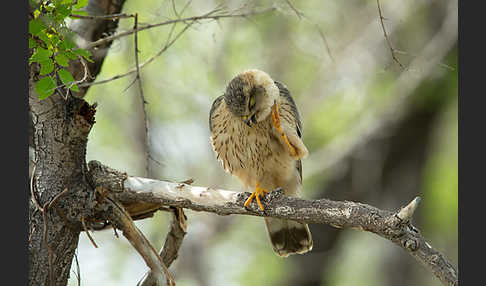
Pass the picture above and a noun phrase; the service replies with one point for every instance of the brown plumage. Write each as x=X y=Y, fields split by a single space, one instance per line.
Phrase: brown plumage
x=256 y=134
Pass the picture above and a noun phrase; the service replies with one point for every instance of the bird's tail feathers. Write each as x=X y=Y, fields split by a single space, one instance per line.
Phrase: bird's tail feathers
x=288 y=237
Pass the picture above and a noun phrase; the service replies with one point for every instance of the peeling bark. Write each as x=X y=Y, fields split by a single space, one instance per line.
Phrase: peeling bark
x=339 y=214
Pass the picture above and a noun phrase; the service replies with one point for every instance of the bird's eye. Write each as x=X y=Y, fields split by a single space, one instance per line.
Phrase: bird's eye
x=252 y=102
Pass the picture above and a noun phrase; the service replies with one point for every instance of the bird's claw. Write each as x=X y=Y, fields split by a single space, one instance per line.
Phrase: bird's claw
x=276 y=124
x=259 y=191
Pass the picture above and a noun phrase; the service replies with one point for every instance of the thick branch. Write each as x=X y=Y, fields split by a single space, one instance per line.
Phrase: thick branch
x=172 y=244
x=122 y=220
x=341 y=214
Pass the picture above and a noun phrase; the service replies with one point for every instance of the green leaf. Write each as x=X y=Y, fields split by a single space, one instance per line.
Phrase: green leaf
x=47 y=66
x=70 y=55
x=32 y=43
x=45 y=87
x=75 y=88
x=55 y=40
x=65 y=76
x=40 y=55
x=62 y=59
x=84 y=53
x=80 y=4
x=66 y=44
x=62 y=11
x=67 y=79
x=35 y=26
x=44 y=37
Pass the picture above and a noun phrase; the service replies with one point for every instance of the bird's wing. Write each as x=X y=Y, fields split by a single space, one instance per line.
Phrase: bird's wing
x=287 y=99
x=291 y=124
x=216 y=104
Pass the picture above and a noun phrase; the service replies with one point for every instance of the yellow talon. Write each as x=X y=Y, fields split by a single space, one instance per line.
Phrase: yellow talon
x=276 y=124
x=259 y=191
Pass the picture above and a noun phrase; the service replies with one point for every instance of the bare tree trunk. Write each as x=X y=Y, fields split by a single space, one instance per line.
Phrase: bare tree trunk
x=60 y=193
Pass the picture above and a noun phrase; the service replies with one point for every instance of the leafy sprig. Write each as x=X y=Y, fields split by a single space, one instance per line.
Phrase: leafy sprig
x=52 y=44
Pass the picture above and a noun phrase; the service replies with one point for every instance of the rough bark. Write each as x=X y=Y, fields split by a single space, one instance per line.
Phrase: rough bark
x=60 y=129
x=395 y=226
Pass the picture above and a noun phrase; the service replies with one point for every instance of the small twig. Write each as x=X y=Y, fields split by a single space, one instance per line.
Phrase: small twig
x=194 y=18
x=297 y=12
x=85 y=76
x=78 y=271
x=174 y=9
x=86 y=71
x=392 y=50
x=30 y=234
x=190 y=20
x=325 y=42
x=153 y=159
x=134 y=70
x=173 y=242
x=301 y=15
x=102 y=17
x=54 y=200
x=184 y=8
x=124 y=222
x=114 y=230
x=83 y=221
x=414 y=55
x=142 y=97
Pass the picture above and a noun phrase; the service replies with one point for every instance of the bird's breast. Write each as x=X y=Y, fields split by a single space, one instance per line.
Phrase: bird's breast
x=243 y=149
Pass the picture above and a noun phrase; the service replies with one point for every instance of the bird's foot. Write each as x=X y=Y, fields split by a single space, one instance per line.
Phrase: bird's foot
x=259 y=191
x=276 y=124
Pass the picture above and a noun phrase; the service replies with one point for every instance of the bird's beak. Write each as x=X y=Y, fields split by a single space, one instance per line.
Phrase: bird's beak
x=246 y=119
x=249 y=120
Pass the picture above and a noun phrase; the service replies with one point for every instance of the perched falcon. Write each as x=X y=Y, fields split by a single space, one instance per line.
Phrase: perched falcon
x=256 y=134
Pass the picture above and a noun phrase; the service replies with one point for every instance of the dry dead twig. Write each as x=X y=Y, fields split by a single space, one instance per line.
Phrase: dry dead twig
x=189 y=21
x=392 y=50
x=122 y=220
x=142 y=98
x=83 y=222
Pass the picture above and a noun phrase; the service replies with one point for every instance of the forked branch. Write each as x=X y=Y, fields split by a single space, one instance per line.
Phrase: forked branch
x=394 y=226
x=123 y=221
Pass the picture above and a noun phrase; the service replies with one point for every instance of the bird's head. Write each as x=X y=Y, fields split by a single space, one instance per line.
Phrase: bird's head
x=250 y=96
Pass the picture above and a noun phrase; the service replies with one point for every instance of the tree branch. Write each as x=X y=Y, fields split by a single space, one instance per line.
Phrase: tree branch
x=172 y=244
x=392 y=50
x=122 y=220
x=189 y=21
x=208 y=16
x=394 y=226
